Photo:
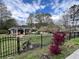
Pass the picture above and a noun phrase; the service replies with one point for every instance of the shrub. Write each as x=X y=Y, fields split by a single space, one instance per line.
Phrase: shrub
x=3 y=31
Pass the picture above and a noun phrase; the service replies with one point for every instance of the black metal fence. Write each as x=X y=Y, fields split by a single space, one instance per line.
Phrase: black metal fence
x=38 y=41
x=73 y=34
x=8 y=46
x=11 y=45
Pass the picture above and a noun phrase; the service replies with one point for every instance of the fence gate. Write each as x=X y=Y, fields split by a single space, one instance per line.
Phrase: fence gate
x=8 y=46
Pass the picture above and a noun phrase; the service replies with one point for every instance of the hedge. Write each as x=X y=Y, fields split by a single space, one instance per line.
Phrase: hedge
x=3 y=31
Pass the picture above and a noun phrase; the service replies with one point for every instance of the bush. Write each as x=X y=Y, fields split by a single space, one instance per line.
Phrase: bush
x=3 y=31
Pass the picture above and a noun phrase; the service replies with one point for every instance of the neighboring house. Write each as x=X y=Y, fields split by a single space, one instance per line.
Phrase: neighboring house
x=19 y=30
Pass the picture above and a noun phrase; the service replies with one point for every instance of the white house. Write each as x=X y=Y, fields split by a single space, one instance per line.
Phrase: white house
x=19 y=30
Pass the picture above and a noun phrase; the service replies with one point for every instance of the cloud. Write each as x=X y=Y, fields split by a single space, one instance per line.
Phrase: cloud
x=20 y=10
x=61 y=8
x=56 y=18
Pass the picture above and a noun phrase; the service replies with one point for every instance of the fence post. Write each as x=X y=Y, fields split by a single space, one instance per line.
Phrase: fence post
x=69 y=35
x=0 y=48
x=18 y=45
x=41 y=40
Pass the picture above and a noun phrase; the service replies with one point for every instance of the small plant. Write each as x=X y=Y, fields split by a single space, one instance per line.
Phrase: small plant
x=26 y=45
x=54 y=49
x=58 y=38
x=45 y=56
x=11 y=57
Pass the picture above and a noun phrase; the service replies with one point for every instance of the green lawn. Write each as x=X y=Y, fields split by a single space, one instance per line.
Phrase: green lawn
x=36 y=39
x=69 y=47
x=8 y=45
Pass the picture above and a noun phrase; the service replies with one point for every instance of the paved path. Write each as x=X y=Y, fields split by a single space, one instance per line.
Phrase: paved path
x=74 y=55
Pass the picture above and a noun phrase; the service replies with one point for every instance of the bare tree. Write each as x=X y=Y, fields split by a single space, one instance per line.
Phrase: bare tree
x=39 y=20
x=43 y=19
x=71 y=16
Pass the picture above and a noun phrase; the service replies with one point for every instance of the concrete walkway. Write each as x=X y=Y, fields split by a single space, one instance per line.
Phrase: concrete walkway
x=74 y=55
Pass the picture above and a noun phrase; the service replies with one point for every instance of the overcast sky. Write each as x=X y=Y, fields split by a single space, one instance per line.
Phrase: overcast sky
x=21 y=9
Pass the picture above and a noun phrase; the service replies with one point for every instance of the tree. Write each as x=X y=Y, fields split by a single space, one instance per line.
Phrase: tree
x=30 y=20
x=71 y=17
x=43 y=19
x=9 y=23
x=4 y=15
x=65 y=20
x=6 y=21
x=39 y=20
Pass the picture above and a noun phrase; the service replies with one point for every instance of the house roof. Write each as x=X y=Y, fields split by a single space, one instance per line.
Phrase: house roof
x=19 y=27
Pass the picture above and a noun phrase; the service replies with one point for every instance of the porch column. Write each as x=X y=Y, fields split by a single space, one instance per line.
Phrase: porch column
x=16 y=31
x=11 y=31
x=24 y=31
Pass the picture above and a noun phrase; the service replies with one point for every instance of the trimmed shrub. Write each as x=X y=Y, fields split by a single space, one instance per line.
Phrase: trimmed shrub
x=3 y=31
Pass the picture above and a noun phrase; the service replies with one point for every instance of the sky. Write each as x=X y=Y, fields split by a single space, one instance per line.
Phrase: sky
x=21 y=9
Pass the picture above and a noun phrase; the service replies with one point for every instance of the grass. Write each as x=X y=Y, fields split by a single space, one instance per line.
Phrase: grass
x=8 y=45
x=68 y=47
x=36 y=39
x=33 y=54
